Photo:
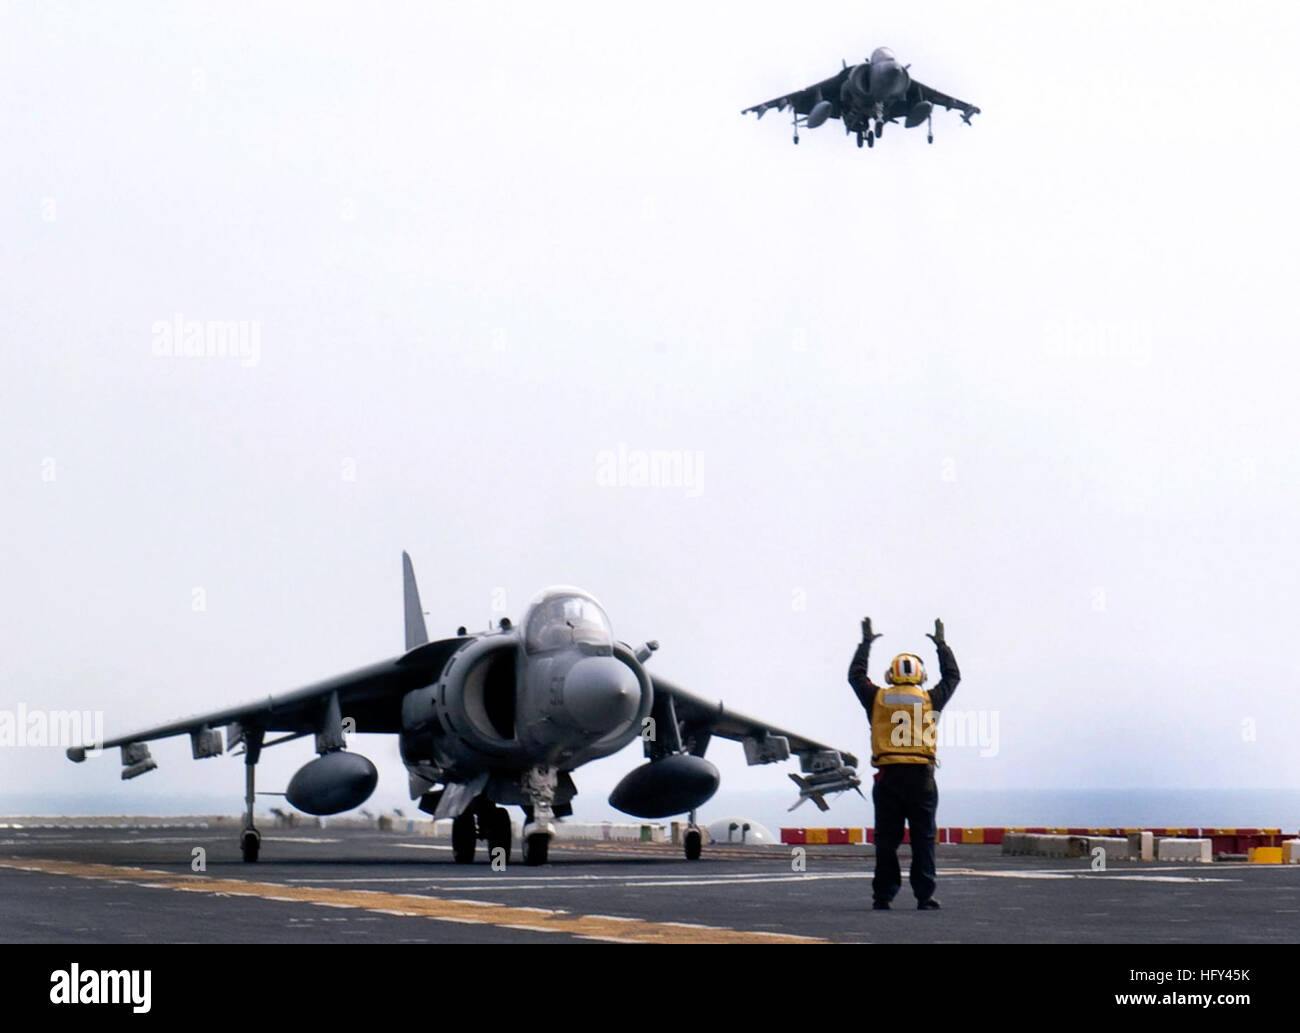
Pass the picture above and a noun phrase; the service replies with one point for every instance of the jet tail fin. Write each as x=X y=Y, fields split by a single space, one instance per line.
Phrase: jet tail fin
x=416 y=633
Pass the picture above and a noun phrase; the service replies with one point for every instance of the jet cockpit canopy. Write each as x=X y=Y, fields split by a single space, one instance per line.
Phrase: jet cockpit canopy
x=563 y=616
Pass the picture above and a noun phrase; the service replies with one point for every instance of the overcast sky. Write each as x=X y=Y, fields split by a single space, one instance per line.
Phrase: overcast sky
x=1037 y=379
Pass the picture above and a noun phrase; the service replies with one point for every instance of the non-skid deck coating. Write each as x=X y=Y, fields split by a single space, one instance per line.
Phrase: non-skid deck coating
x=118 y=885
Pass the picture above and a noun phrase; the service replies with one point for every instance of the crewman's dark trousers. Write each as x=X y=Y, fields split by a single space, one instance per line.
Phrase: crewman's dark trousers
x=904 y=792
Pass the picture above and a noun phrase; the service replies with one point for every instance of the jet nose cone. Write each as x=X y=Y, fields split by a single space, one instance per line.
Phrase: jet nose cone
x=887 y=80
x=601 y=694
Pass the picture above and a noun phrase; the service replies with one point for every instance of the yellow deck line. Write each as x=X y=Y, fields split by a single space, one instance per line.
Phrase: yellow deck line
x=414 y=905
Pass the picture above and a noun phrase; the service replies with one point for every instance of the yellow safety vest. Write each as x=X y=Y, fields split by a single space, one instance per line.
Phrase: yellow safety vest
x=903 y=726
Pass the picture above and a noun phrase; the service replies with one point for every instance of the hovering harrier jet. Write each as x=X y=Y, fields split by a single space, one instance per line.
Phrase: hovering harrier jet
x=501 y=717
x=880 y=91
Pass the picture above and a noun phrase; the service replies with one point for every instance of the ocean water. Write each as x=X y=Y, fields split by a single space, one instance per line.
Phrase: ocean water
x=1089 y=808
x=1216 y=808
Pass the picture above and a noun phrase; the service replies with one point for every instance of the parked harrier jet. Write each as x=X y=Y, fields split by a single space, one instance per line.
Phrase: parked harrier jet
x=879 y=90
x=497 y=718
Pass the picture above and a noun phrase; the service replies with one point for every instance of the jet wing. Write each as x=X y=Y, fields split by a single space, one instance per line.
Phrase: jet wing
x=371 y=696
x=827 y=769
x=803 y=100
x=944 y=101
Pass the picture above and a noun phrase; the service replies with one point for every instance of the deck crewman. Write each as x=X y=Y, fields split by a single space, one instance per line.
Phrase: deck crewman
x=903 y=718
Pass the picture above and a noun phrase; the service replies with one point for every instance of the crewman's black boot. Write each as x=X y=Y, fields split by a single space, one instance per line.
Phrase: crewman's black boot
x=929 y=904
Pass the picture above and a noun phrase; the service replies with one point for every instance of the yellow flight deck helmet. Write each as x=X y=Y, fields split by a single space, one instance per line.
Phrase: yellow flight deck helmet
x=906 y=669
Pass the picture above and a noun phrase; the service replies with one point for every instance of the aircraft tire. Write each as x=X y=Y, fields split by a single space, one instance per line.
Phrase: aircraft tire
x=536 y=847
x=499 y=832
x=464 y=838
x=249 y=843
x=694 y=844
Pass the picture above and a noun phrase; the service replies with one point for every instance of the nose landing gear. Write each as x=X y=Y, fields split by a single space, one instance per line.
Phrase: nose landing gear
x=536 y=848
x=539 y=787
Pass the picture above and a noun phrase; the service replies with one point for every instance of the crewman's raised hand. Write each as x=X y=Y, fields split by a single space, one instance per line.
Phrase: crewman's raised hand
x=937 y=637
x=867 y=635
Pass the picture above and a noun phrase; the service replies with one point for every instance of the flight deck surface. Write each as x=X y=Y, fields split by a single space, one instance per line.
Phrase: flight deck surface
x=125 y=885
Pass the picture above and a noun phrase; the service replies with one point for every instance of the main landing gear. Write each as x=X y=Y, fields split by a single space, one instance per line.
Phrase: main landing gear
x=482 y=820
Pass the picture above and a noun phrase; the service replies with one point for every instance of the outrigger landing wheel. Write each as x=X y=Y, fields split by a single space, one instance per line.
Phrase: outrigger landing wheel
x=250 y=841
x=693 y=841
x=694 y=844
